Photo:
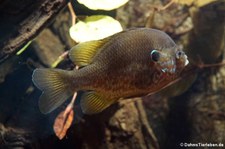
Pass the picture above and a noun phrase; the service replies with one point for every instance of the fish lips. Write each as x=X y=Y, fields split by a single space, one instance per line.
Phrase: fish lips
x=186 y=60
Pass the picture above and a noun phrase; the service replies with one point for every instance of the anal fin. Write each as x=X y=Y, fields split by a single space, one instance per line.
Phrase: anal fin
x=92 y=103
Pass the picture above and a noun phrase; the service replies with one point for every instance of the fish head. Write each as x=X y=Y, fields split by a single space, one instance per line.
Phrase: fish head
x=169 y=60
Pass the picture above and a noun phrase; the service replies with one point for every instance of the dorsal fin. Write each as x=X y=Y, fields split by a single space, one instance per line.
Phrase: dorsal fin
x=92 y=103
x=83 y=53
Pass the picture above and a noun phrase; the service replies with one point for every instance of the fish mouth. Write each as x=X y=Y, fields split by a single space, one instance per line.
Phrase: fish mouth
x=186 y=60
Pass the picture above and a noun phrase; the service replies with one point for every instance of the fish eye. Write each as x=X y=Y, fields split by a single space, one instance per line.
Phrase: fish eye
x=155 y=55
x=179 y=54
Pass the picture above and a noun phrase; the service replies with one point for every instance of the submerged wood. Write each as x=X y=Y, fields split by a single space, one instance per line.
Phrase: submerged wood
x=23 y=20
x=150 y=122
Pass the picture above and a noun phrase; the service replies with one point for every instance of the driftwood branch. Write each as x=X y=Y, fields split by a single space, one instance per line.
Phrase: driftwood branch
x=151 y=122
x=28 y=20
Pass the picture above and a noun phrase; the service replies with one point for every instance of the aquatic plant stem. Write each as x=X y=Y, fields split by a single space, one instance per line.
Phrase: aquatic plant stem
x=166 y=6
x=72 y=12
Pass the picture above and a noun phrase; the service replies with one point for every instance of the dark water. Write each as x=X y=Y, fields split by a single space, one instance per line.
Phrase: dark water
x=196 y=116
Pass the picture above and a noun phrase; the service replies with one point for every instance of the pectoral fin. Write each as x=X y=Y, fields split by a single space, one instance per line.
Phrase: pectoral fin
x=83 y=53
x=92 y=103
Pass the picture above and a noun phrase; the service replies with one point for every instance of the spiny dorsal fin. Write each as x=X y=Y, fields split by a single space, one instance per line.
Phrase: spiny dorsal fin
x=83 y=53
x=55 y=86
x=92 y=103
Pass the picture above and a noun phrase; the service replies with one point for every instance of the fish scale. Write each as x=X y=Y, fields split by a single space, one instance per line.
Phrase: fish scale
x=131 y=63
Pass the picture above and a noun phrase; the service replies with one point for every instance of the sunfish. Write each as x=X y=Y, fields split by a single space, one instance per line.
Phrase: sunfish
x=132 y=63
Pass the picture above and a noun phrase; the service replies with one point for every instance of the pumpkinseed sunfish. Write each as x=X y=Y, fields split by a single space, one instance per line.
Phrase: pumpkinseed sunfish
x=131 y=63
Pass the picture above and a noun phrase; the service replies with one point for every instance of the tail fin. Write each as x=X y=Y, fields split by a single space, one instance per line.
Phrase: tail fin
x=56 y=87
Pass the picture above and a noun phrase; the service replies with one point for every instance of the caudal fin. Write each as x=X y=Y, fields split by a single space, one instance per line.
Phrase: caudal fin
x=56 y=87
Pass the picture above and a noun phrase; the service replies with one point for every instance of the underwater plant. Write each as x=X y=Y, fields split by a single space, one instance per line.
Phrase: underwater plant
x=109 y=74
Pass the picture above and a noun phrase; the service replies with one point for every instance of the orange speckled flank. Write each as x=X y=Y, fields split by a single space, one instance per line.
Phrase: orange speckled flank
x=132 y=63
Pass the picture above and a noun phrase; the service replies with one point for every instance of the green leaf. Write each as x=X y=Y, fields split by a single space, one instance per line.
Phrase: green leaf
x=94 y=28
x=103 y=4
x=199 y=3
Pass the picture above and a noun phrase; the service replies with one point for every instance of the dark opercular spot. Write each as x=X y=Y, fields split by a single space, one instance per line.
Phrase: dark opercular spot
x=155 y=55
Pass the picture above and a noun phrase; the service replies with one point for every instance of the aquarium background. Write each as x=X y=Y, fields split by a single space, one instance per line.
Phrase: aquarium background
x=189 y=113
